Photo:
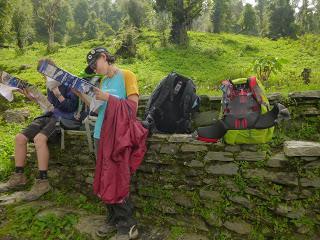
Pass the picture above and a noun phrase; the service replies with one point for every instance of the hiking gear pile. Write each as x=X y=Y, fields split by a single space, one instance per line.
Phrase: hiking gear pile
x=245 y=107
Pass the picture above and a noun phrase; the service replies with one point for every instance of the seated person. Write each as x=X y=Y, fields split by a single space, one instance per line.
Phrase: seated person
x=42 y=129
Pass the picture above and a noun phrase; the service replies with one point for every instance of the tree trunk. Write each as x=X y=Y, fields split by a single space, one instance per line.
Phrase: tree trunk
x=179 y=29
x=51 y=39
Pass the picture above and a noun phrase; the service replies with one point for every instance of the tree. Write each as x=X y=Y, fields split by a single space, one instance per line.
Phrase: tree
x=234 y=11
x=281 y=19
x=81 y=13
x=136 y=12
x=92 y=27
x=22 y=22
x=225 y=15
x=305 y=18
x=183 y=13
x=6 y=9
x=203 y=22
x=48 y=11
x=248 y=20
x=114 y=13
x=317 y=16
x=217 y=16
x=64 y=22
x=261 y=6
x=163 y=25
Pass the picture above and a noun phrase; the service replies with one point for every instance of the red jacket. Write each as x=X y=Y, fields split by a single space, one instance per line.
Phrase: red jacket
x=121 y=150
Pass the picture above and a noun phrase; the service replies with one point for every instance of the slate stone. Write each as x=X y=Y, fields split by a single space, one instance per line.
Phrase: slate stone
x=219 y=156
x=239 y=227
x=228 y=169
x=301 y=148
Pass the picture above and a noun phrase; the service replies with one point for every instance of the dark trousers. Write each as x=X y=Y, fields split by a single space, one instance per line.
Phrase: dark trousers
x=119 y=215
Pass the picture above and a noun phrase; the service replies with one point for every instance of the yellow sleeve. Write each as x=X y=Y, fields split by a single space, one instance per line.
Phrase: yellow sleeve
x=131 y=83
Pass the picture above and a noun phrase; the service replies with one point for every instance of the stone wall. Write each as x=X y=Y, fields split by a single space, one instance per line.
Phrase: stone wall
x=236 y=192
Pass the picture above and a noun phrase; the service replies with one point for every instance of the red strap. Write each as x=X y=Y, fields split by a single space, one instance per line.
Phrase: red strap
x=211 y=140
x=244 y=123
x=252 y=82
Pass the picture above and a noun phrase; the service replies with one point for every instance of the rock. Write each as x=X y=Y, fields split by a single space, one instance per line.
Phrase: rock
x=214 y=220
x=37 y=205
x=169 y=148
x=89 y=180
x=180 y=138
x=315 y=164
x=194 y=164
x=230 y=184
x=196 y=222
x=284 y=178
x=148 y=168
x=219 y=156
x=285 y=210
x=255 y=192
x=239 y=227
x=182 y=200
x=192 y=236
x=274 y=97
x=210 y=195
x=193 y=148
x=90 y=224
x=155 y=147
x=251 y=156
x=223 y=169
x=188 y=221
x=305 y=94
x=301 y=148
x=232 y=148
x=157 y=137
x=277 y=160
x=306 y=182
x=249 y=147
x=166 y=207
x=310 y=111
x=58 y=212
x=309 y=159
x=242 y=201
x=16 y=116
x=24 y=67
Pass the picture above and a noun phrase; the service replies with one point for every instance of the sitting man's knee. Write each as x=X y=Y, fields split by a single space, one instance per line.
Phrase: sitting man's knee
x=21 y=139
x=40 y=140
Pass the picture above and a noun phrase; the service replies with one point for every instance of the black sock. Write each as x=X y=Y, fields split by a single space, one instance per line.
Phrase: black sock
x=43 y=174
x=19 y=170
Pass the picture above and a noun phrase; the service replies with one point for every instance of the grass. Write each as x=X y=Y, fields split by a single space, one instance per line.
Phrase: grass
x=208 y=59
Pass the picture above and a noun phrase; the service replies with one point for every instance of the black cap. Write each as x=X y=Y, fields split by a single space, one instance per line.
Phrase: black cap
x=92 y=57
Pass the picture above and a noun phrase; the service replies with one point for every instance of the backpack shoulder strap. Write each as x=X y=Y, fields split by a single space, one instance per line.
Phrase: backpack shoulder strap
x=159 y=95
x=255 y=89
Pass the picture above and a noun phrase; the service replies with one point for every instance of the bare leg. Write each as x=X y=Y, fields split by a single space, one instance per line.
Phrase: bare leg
x=40 y=141
x=20 y=150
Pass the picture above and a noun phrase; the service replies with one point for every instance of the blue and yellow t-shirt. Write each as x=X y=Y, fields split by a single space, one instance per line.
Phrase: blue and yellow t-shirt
x=121 y=85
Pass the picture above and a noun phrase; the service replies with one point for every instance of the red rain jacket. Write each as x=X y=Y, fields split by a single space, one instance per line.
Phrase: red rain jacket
x=121 y=150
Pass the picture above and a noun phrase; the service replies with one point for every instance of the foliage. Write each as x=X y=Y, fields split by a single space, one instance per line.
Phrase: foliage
x=264 y=66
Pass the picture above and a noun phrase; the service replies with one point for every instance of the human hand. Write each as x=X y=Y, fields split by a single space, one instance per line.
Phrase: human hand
x=103 y=96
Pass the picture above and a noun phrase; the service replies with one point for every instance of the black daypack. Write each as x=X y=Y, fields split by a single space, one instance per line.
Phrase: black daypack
x=171 y=104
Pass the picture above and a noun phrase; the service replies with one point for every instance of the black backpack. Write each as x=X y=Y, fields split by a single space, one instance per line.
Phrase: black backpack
x=171 y=104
